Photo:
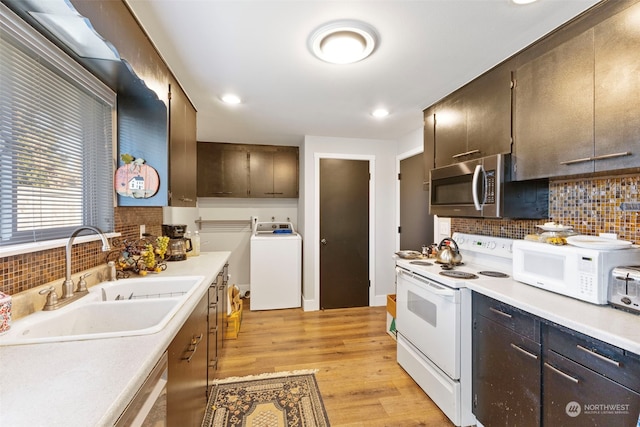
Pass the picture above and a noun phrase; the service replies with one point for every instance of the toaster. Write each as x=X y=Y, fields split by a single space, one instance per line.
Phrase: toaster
x=624 y=288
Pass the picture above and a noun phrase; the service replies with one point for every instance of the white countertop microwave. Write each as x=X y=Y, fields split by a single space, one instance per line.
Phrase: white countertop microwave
x=573 y=271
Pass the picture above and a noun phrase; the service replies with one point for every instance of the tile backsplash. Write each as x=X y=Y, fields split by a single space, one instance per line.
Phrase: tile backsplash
x=22 y=272
x=590 y=205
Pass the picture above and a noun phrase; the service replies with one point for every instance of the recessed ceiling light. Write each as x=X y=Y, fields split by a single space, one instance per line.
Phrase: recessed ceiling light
x=343 y=42
x=230 y=98
x=380 y=113
x=523 y=1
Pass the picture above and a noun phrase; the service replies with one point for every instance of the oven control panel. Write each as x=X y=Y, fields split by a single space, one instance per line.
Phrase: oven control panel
x=494 y=246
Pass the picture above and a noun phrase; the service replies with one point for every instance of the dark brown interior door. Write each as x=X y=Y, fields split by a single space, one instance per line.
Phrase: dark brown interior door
x=344 y=233
x=416 y=225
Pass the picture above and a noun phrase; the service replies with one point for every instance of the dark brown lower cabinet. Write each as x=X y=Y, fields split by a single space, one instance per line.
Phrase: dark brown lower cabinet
x=506 y=376
x=187 y=370
x=588 y=382
x=528 y=371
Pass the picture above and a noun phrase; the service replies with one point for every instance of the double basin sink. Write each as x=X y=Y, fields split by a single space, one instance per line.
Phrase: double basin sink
x=127 y=307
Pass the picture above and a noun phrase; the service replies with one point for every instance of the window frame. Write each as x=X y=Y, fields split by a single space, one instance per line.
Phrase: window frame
x=13 y=26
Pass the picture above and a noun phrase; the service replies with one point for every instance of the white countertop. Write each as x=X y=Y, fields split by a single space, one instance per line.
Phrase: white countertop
x=90 y=383
x=605 y=323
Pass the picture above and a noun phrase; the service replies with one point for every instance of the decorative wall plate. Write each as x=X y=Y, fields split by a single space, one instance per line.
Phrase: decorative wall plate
x=136 y=180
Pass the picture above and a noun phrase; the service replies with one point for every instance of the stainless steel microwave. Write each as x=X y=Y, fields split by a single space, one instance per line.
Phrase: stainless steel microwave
x=482 y=188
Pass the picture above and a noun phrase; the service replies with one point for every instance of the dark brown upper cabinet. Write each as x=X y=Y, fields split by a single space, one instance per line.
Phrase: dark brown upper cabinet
x=429 y=148
x=182 y=149
x=576 y=108
x=244 y=170
x=553 y=117
x=475 y=121
x=617 y=91
x=223 y=170
x=273 y=172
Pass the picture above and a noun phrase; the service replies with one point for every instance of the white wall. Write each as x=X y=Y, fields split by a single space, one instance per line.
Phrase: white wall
x=383 y=155
x=231 y=230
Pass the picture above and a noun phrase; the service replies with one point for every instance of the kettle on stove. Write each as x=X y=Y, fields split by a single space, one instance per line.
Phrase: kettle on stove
x=447 y=254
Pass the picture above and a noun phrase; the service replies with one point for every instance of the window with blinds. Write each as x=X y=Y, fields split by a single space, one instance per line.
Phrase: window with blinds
x=56 y=140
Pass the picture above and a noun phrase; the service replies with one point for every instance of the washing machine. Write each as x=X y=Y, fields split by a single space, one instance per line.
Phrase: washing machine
x=275 y=266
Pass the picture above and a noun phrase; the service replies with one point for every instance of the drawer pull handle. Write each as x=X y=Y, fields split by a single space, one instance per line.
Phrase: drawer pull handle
x=523 y=351
x=559 y=372
x=599 y=356
x=193 y=346
x=502 y=313
x=466 y=153
x=601 y=157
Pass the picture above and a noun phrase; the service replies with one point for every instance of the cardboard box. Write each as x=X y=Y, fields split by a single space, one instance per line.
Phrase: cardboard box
x=391 y=305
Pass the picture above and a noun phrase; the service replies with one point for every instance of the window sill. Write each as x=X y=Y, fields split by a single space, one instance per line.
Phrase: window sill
x=27 y=248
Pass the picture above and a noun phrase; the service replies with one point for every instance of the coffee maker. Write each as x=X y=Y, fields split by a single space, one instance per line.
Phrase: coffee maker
x=178 y=244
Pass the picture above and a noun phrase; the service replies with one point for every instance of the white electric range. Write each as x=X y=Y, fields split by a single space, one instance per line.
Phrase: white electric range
x=433 y=319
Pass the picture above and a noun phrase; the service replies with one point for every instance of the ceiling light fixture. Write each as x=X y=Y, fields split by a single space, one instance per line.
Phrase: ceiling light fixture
x=230 y=98
x=343 y=42
x=523 y=1
x=380 y=113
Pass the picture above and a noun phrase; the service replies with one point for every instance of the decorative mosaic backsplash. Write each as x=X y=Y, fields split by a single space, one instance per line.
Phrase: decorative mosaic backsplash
x=591 y=206
x=22 y=272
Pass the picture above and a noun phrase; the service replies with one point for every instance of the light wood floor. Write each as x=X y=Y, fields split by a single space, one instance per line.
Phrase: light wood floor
x=360 y=382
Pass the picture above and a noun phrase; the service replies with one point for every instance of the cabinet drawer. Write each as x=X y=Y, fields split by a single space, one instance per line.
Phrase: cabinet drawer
x=576 y=396
x=606 y=359
x=510 y=317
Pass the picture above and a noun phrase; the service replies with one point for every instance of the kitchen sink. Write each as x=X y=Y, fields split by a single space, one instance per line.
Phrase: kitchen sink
x=123 y=308
x=145 y=288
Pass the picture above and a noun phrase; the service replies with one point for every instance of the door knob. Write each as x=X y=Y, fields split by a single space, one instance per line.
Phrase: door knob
x=323 y=241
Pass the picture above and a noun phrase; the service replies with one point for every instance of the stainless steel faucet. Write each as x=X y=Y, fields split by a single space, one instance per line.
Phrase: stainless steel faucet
x=67 y=286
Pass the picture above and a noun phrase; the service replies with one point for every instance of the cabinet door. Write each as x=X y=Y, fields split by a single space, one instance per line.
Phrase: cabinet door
x=506 y=376
x=577 y=396
x=428 y=152
x=488 y=105
x=553 y=117
x=187 y=371
x=222 y=170
x=260 y=173
x=285 y=173
x=182 y=149
x=617 y=90
x=273 y=171
x=210 y=172
x=214 y=331
x=222 y=311
x=451 y=130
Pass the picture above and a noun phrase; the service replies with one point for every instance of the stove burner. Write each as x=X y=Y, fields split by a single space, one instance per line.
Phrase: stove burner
x=459 y=274
x=493 y=273
x=425 y=263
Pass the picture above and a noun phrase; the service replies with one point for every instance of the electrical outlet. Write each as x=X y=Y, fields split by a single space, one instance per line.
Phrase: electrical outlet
x=445 y=228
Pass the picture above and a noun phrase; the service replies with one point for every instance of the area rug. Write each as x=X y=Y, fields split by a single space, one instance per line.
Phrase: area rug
x=280 y=399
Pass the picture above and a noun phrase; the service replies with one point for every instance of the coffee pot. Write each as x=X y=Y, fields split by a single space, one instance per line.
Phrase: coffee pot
x=178 y=245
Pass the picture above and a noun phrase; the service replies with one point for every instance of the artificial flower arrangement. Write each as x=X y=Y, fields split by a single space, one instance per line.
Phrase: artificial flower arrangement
x=142 y=256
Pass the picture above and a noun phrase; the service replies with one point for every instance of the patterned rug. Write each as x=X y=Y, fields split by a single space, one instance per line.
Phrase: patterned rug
x=280 y=399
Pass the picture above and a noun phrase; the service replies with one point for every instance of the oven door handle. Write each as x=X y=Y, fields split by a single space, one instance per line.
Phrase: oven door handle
x=474 y=187
x=431 y=287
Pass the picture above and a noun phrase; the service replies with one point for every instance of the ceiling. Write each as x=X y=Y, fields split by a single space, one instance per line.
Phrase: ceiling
x=258 y=50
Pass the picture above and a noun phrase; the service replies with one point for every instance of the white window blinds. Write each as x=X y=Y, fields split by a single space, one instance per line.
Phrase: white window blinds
x=56 y=140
